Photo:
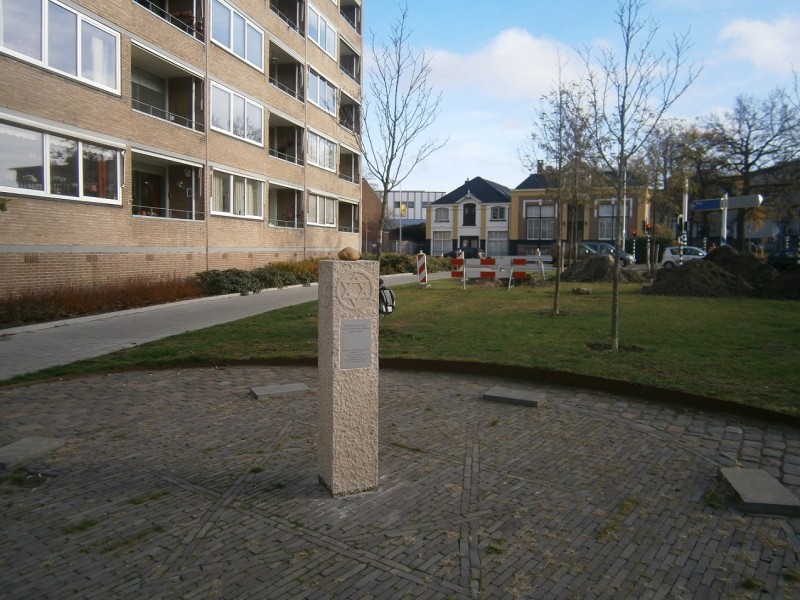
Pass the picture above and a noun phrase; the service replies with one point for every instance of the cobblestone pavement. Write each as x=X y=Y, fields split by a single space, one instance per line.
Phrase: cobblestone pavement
x=179 y=484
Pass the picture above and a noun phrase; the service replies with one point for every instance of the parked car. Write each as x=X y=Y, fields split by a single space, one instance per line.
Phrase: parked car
x=607 y=249
x=783 y=258
x=468 y=253
x=672 y=257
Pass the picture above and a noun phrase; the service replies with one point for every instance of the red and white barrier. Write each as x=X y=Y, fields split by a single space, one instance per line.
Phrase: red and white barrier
x=422 y=269
x=513 y=268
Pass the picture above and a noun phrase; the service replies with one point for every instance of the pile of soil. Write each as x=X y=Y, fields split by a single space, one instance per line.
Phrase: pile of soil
x=598 y=269
x=726 y=272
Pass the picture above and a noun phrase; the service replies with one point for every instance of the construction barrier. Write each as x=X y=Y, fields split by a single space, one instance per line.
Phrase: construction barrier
x=422 y=269
x=511 y=267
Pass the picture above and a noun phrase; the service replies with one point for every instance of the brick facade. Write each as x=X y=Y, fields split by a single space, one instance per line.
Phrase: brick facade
x=47 y=240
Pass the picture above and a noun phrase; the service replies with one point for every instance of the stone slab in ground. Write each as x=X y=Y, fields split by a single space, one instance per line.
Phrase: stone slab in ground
x=760 y=492
x=501 y=393
x=279 y=391
x=18 y=453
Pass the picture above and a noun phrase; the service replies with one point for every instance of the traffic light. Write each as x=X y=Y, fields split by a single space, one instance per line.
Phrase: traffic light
x=633 y=233
x=649 y=228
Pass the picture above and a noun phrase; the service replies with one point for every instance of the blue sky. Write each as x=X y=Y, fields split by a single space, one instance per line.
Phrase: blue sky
x=492 y=61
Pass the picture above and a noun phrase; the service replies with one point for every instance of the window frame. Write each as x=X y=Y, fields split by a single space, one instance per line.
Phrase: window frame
x=318 y=18
x=45 y=141
x=317 y=143
x=43 y=60
x=246 y=202
x=328 y=216
x=539 y=227
x=231 y=44
x=315 y=85
x=440 y=211
x=502 y=213
x=247 y=102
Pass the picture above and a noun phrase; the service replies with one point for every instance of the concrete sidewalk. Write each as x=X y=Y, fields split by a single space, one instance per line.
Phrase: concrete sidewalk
x=32 y=348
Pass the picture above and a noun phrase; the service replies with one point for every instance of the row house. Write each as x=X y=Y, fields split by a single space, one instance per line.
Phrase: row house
x=159 y=138
x=524 y=220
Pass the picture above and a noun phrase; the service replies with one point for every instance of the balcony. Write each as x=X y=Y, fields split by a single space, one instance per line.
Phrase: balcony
x=166 y=188
x=165 y=91
x=285 y=207
x=186 y=15
x=351 y=11
x=349 y=165
x=285 y=72
x=292 y=12
x=285 y=139
x=348 y=217
x=349 y=113
x=349 y=61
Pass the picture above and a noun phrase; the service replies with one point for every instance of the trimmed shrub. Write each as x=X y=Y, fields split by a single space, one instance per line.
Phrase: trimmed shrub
x=230 y=281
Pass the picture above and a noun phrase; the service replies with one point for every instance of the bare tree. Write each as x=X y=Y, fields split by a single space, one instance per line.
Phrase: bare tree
x=400 y=106
x=756 y=134
x=630 y=94
x=560 y=133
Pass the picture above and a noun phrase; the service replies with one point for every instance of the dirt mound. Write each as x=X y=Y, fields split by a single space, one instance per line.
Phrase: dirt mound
x=598 y=269
x=699 y=278
x=754 y=271
x=786 y=286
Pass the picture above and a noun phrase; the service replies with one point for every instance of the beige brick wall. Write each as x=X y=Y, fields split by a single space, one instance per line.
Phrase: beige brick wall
x=50 y=243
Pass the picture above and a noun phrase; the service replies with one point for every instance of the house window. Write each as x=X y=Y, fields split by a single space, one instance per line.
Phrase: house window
x=605 y=222
x=470 y=214
x=77 y=46
x=441 y=215
x=321 y=93
x=498 y=213
x=442 y=242
x=39 y=163
x=497 y=243
x=237 y=34
x=321 y=152
x=236 y=115
x=321 y=32
x=237 y=195
x=540 y=221
x=321 y=210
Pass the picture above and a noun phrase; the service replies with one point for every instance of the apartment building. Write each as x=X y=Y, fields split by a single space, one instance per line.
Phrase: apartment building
x=159 y=138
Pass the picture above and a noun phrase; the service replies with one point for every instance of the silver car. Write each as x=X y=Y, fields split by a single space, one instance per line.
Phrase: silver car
x=672 y=257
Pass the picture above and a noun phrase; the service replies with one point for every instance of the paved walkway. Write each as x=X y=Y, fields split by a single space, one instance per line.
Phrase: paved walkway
x=180 y=484
x=34 y=347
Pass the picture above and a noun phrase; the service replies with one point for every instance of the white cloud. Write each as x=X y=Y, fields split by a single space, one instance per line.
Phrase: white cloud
x=773 y=46
x=512 y=65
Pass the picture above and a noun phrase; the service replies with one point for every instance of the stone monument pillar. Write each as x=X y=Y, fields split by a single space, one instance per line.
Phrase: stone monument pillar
x=348 y=376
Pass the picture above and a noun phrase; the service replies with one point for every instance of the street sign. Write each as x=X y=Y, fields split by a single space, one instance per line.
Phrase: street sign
x=745 y=201
x=707 y=204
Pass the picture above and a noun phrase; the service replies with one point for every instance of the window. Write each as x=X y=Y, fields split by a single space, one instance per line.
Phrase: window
x=541 y=221
x=442 y=242
x=469 y=216
x=39 y=163
x=497 y=243
x=321 y=93
x=237 y=195
x=498 y=213
x=236 y=33
x=236 y=115
x=321 y=210
x=441 y=215
x=605 y=222
x=321 y=32
x=76 y=45
x=321 y=151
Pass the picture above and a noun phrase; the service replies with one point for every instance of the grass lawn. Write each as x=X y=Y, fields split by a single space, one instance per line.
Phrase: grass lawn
x=736 y=349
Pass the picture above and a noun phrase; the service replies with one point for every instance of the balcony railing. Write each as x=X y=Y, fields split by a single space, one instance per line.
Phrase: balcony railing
x=287 y=223
x=286 y=18
x=165 y=115
x=185 y=21
x=298 y=94
x=287 y=157
x=141 y=210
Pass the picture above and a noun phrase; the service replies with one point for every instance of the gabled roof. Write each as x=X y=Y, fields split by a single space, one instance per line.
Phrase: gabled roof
x=534 y=181
x=482 y=190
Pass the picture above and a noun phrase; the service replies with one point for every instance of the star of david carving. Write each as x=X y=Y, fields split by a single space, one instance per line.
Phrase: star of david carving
x=354 y=290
